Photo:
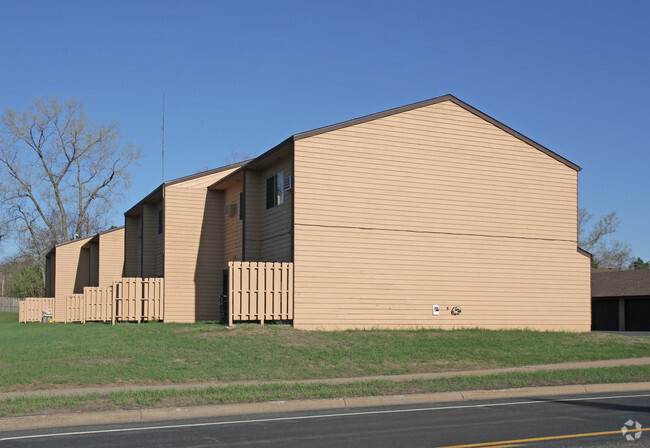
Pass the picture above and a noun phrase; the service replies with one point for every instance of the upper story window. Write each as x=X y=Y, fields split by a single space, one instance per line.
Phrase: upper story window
x=275 y=190
x=160 y=221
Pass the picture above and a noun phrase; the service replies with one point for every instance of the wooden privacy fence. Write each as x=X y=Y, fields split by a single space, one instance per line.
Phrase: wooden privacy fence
x=138 y=299
x=260 y=291
x=9 y=304
x=127 y=299
x=31 y=309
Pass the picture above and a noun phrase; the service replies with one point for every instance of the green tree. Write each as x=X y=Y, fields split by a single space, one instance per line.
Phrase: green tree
x=59 y=173
x=607 y=251
x=640 y=264
x=26 y=281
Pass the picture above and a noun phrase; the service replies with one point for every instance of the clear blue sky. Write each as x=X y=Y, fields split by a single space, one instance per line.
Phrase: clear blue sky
x=243 y=76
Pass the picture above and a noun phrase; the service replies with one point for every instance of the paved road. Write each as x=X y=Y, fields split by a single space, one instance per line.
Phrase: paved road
x=545 y=422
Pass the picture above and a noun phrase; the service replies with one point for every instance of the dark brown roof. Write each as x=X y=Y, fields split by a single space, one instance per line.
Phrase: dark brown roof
x=615 y=283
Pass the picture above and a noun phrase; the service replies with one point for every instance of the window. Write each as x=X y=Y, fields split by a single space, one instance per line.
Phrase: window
x=275 y=190
x=241 y=206
x=160 y=221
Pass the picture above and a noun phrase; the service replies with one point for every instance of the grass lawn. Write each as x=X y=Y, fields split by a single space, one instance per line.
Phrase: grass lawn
x=34 y=356
x=269 y=392
x=6 y=318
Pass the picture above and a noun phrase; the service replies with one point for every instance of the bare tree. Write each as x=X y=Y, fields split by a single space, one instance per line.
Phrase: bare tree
x=236 y=157
x=607 y=252
x=60 y=173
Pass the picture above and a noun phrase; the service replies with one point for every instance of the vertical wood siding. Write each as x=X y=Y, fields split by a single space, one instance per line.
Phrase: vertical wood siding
x=435 y=206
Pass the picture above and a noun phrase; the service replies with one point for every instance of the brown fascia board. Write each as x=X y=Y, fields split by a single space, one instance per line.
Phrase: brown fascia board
x=251 y=163
x=158 y=190
x=437 y=100
x=91 y=238
x=70 y=242
x=95 y=237
x=584 y=252
x=114 y=229
x=205 y=173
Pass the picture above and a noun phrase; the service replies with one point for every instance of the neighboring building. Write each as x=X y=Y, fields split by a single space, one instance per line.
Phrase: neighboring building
x=620 y=300
x=175 y=232
x=434 y=204
x=92 y=261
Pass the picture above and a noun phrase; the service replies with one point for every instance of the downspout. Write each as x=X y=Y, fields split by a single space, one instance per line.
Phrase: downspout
x=141 y=240
x=164 y=232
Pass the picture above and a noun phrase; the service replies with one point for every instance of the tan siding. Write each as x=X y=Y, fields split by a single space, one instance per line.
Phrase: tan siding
x=111 y=256
x=71 y=273
x=435 y=206
x=132 y=247
x=255 y=206
x=204 y=181
x=268 y=232
x=93 y=264
x=193 y=254
x=160 y=247
x=232 y=225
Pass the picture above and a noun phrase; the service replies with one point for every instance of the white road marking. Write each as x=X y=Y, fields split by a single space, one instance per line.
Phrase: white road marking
x=315 y=416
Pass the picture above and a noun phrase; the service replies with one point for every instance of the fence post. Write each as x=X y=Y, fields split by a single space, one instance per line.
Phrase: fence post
x=231 y=292
x=83 y=303
x=113 y=301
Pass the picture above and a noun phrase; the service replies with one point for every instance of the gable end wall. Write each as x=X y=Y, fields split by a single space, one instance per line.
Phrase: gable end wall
x=435 y=206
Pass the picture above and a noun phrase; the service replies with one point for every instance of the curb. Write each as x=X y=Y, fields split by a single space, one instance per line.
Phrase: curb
x=158 y=414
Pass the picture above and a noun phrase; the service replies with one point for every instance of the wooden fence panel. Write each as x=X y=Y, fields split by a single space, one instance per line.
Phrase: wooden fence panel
x=152 y=299
x=127 y=299
x=31 y=309
x=260 y=291
x=75 y=309
x=99 y=303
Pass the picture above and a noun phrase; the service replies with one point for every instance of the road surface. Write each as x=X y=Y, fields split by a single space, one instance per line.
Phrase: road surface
x=572 y=421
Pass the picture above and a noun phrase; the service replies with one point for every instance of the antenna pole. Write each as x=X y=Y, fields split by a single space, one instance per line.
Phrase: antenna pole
x=163 y=139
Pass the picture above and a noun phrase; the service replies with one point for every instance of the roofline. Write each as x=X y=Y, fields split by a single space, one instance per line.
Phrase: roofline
x=585 y=253
x=429 y=102
x=90 y=238
x=114 y=229
x=204 y=173
x=180 y=180
x=397 y=110
x=251 y=162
